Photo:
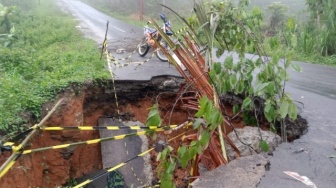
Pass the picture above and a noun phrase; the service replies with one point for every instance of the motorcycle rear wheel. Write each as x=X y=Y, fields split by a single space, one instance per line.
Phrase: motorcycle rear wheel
x=143 y=47
x=159 y=54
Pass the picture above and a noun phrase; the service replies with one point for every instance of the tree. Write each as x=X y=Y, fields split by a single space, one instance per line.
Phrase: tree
x=226 y=26
x=7 y=29
x=278 y=14
x=5 y=20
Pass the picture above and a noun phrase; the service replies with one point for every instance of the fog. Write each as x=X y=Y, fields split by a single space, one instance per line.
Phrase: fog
x=151 y=8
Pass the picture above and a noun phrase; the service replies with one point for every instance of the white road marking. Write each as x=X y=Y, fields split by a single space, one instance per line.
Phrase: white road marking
x=119 y=29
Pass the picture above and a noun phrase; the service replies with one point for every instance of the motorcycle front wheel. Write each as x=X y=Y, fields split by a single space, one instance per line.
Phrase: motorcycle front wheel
x=159 y=54
x=143 y=47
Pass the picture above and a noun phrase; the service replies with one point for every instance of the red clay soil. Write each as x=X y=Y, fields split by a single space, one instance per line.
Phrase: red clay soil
x=53 y=168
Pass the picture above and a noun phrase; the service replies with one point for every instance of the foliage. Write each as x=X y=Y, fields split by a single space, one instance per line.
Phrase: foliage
x=259 y=81
x=310 y=40
x=47 y=57
x=130 y=12
x=154 y=118
x=7 y=29
x=278 y=14
x=72 y=182
x=323 y=18
x=25 y=6
x=6 y=18
x=151 y=8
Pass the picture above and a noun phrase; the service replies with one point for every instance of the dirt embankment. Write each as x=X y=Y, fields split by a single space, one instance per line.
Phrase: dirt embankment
x=83 y=106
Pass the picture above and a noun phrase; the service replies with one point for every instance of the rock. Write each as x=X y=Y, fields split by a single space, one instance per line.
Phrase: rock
x=251 y=136
x=240 y=173
x=120 y=51
x=170 y=83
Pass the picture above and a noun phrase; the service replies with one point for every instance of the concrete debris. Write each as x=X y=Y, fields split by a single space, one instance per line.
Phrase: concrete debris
x=251 y=137
x=240 y=173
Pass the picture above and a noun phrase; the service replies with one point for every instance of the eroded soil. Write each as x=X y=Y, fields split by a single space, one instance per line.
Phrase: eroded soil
x=83 y=106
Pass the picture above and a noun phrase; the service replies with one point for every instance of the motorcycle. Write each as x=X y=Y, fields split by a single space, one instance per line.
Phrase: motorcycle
x=149 y=34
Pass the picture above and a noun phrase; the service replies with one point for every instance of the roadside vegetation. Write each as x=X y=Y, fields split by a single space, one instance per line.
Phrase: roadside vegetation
x=130 y=11
x=310 y=37
x=262 y=102
x=42 y=53
x=306 y=28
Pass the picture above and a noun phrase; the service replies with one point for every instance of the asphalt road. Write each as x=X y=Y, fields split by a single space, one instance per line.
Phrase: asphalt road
x=120 y=36
x=315 y=87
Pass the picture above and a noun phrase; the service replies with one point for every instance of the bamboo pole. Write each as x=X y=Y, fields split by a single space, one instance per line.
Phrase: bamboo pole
x=16 y=155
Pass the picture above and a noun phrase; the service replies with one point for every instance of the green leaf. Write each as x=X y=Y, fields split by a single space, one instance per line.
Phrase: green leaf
x=171 y=167
x=251 y=91
x=167 y=181
x=282 y=74
x=228 y=63
x=164 y=154
x=203 y=106
x=197 y=123
x=184 y=158
x=158 y=157
x=249 y=120
x=182 y=150
x=218 y=68
x=170 y=148
x=269 y=112
x=275 y=59
x=246 y=103
x=271 y=88
x=233 y=80
x=235 y=109
x=205 y=137
x=199 y=149
x=154 y=121
x=192 y=152
x=260 y=88
x=193 y=143
x=284 y=109
x=154 y=110
x=296 y=67
x=240 y=87
x=264 y=146
x=258 y=62
x=292 y=111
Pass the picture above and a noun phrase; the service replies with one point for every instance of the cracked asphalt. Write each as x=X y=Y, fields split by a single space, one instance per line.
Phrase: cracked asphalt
x=315 y=87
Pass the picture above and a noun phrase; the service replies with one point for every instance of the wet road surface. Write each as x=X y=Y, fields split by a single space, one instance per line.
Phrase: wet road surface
x=315 y=87
x=120 y=36
x=311 y=155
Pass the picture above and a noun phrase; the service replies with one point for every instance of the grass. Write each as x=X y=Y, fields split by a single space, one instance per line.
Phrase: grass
x=49 y=55
x=176 y=23
x=115 y=15
x=316 y=59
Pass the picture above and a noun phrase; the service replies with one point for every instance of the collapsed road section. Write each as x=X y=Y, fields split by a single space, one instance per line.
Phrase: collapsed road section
x=84 y=105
